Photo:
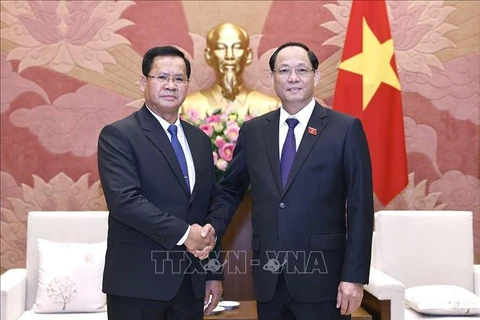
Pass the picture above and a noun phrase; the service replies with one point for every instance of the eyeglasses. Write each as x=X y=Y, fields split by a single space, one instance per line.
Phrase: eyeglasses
x=301 y=71
x=163 y=78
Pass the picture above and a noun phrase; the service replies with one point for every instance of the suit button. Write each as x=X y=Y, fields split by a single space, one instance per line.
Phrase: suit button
x=282 y=205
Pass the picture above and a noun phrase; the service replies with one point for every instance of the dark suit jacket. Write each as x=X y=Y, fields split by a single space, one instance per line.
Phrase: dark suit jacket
x=322 y=221
x=150 y=207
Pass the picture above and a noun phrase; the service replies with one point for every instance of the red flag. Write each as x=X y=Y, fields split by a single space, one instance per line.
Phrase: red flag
x=368 y=88
x=312 y=131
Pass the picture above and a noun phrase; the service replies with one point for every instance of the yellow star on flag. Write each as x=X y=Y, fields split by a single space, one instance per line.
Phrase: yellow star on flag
x=373 y=63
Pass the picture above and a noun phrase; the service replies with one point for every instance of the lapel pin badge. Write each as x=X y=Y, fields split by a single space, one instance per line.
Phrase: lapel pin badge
x=312 y=131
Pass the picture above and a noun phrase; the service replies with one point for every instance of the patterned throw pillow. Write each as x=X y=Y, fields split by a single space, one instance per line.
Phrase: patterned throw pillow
x=442 y=300
x=70 y=277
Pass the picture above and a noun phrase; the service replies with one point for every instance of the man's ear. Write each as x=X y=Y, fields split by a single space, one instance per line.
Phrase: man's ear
x=208 y=56
x=316 y=76
x=249 y=56
x=143 y=83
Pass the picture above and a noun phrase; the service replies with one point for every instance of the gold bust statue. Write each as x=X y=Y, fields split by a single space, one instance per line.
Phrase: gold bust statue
x=227 y=52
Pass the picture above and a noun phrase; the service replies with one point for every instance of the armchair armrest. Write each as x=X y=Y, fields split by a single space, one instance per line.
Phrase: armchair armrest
x=13 y=285
x=385 y=288
x=476 y=279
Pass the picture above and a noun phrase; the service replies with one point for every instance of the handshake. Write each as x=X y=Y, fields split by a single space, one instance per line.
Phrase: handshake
x=200 y=240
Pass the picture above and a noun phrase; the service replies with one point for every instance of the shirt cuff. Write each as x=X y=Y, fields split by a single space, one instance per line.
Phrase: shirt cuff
x=184 y=238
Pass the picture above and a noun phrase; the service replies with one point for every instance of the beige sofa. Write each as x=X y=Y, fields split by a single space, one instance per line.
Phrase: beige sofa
x=415 y=248
x=19 y=286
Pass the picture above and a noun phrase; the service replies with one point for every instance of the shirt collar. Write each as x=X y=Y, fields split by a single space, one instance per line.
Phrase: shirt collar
x=165 y=123
x=303 y=116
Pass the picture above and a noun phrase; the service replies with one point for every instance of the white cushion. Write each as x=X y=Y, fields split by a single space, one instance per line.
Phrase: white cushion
x=60 y=226
x=414 y=315
x=425 y=247
x=442 y=300
x=70 y=277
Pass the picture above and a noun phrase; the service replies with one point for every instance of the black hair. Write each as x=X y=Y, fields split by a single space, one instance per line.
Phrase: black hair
x=313 y=58
x=166 y=51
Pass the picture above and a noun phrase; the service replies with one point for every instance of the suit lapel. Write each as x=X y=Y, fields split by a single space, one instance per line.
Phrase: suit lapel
x=270 y=134
x=155 y=133
x=195 y=146
x=318 y=121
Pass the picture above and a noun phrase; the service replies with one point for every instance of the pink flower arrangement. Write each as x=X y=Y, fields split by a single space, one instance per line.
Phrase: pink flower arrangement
x=223 y=129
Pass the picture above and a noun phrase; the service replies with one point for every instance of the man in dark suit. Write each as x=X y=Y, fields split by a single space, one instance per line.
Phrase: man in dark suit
x=157 y=176
x=311 y=183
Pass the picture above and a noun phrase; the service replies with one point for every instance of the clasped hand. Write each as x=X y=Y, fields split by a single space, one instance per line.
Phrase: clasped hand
x=200 y=240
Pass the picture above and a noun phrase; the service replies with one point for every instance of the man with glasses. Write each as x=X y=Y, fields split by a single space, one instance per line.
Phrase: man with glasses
x=157 y=176
x=312 y=213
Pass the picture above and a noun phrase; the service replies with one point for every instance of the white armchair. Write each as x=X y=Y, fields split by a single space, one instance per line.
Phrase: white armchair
x=414 y=248
x=19 y=286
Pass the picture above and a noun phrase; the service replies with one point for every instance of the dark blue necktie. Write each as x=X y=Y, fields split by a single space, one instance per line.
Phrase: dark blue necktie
x=289 y=150
x=177 y=147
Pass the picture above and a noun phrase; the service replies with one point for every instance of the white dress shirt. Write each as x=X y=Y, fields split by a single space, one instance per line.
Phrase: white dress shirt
x=303 y=116
x=188 y=156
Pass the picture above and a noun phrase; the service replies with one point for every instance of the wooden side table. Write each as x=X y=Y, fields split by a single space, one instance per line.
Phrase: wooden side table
x=247 y=310
x=361 y=314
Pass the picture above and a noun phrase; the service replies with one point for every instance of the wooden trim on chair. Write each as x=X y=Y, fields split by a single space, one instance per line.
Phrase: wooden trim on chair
x=379 y=309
